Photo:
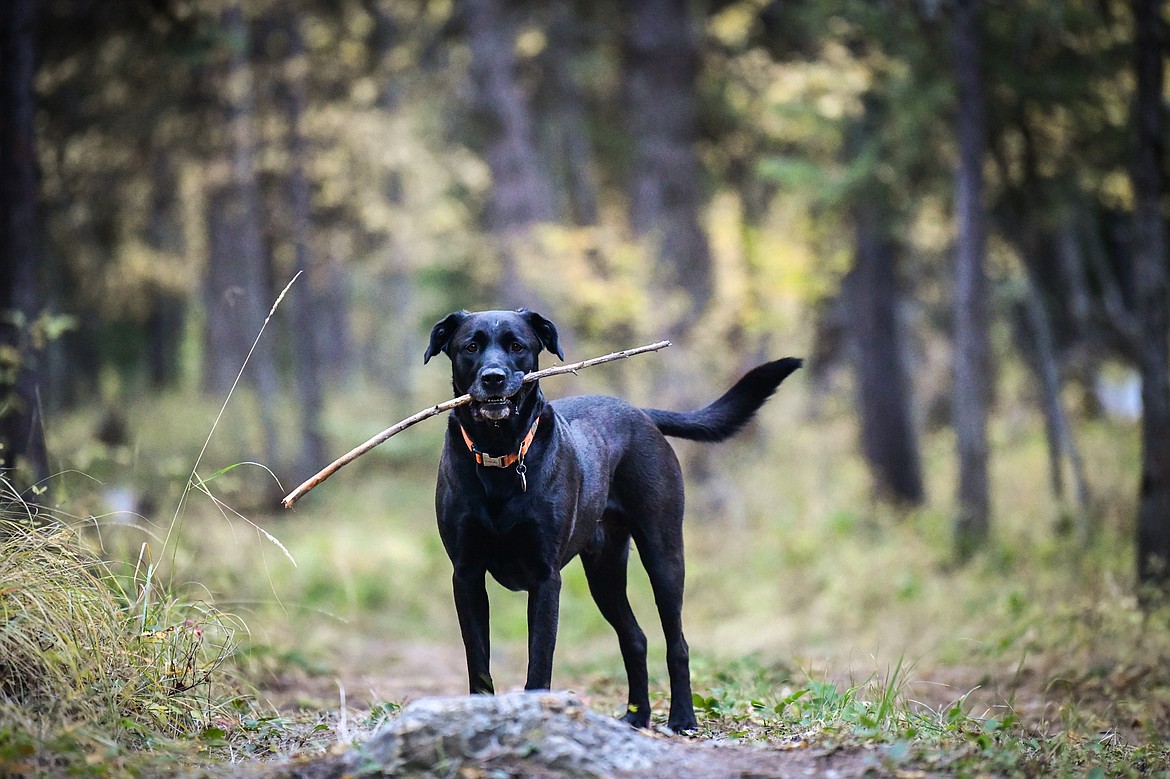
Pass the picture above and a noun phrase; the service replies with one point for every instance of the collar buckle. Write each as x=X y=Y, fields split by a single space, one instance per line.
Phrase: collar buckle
x=487 y=461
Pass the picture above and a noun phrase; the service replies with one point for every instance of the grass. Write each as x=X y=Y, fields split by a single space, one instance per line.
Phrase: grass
x=776 y=705
x=101 y=656
x=816 y=616
x=95 y=668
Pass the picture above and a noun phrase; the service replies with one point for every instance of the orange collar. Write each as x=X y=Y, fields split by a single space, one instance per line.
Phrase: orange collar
x=504 y=461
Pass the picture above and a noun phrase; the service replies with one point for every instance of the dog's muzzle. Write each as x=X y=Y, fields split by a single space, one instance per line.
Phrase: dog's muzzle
x=495 y=392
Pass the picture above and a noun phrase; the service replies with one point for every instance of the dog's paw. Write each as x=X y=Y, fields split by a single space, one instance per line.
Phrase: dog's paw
x=635 y=718
x=684 y=726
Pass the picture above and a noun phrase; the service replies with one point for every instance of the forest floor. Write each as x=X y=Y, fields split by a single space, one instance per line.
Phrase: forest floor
x=942 y=720
x=418 y=671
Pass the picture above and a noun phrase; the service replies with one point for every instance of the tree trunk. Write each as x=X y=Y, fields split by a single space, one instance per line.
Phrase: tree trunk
x=872 y=298
x=393 y=349
x=333 y=334
x=22 y=435
x=662 y=64
x=1052 y=271
x=304 y=298
x=561 y=103
x=520 y=194
x=971 y=362
x=164 y=234
x=1150 y=272
x=1061 y=442
x=237 y=287
x=888 y=438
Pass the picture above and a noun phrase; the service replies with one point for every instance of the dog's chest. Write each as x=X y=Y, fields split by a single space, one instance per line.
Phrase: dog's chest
x=503 y=513
x=516 y=559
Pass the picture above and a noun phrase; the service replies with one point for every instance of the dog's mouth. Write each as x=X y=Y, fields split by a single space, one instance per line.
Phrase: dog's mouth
x=494 y=408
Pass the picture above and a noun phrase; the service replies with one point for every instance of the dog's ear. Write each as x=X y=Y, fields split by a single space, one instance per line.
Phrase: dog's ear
x=441 y=334
x=545 y=330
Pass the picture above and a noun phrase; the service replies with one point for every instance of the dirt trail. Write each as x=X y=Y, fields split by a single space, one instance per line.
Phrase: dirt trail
x=555 y=735
x=462 y=736
x=374 y=672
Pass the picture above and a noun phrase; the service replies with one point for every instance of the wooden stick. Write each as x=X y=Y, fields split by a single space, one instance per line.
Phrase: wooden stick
x=358 y=451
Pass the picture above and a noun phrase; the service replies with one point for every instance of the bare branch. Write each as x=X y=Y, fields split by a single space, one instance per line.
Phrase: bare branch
x=358 y=451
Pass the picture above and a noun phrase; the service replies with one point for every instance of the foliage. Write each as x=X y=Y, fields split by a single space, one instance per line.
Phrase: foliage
x=805 y=109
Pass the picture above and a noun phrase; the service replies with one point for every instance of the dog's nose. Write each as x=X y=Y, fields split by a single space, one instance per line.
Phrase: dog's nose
x=493 y=378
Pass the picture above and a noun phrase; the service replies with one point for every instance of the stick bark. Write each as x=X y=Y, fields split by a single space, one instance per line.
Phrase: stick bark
x=431 y=411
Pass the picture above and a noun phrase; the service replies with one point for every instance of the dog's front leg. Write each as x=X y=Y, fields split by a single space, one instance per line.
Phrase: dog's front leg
x=544 y=603
x=471 y=604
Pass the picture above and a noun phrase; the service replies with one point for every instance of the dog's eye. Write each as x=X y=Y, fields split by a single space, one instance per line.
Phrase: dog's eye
x=472 y=347
x=517 y=346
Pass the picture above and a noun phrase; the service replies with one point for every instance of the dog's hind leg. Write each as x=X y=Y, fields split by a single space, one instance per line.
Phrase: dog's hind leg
x=605 y=569
x=661 y=549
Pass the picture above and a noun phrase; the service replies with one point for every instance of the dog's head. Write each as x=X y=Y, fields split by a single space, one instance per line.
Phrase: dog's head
x=490 y=353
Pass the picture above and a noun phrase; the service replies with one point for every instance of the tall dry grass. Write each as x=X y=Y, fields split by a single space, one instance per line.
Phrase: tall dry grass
x=93 y=661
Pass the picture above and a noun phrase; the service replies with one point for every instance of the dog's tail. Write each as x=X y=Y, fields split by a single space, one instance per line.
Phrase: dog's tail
x=723 y=418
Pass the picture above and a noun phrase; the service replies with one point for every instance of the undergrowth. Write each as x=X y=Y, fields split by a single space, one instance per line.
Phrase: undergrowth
x=93 y=667
x=104 y=662
x=749 y=701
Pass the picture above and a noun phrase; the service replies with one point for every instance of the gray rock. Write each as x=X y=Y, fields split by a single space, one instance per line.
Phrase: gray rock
x=553 y=731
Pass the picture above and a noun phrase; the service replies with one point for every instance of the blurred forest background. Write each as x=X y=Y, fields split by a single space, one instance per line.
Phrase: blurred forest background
x=951 y=207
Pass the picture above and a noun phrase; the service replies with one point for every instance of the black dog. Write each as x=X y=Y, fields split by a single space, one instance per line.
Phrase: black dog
x=526 y=485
